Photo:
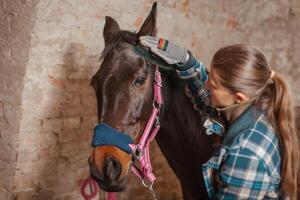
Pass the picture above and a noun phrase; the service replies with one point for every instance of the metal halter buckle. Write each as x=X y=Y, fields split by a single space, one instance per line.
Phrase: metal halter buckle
x=156 y=104
x=150 y=187
x=138 y=153
x=157 y=122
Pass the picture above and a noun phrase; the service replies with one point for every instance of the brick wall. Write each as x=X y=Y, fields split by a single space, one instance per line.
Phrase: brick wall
x=61 y=54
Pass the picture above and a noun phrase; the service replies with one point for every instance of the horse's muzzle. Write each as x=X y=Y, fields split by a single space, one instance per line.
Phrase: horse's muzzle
x=109 y=179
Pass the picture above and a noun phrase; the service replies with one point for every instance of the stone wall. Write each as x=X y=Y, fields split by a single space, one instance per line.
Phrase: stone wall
x=16 y=22
x=58 y=58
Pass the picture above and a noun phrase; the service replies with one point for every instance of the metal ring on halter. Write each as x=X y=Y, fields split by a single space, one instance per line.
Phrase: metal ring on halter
x=150 y=188
x=137 y=153
x=155 y=104
x=147 y=186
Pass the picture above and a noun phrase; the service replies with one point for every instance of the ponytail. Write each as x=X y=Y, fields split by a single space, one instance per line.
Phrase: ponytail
x=281 y=114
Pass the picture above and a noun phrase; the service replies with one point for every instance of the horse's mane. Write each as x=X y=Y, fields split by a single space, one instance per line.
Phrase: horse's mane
x=182 y=108
x=121 y=36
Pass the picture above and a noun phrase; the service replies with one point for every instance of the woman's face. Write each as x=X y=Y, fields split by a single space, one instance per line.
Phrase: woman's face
x=220 y=96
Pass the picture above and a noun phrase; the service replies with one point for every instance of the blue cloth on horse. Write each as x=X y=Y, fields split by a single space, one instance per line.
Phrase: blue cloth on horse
x=105 y=135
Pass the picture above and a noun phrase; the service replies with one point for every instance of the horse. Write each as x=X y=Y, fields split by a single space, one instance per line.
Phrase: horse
x=124 y=90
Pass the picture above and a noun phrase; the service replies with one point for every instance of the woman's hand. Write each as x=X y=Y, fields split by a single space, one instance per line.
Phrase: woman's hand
x=168 y=51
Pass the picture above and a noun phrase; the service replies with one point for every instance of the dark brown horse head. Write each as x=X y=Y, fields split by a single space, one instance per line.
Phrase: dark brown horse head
x=123 y=87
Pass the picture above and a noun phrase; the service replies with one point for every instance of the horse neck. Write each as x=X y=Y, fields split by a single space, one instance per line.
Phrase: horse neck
x=179 y=119
x=182 y=138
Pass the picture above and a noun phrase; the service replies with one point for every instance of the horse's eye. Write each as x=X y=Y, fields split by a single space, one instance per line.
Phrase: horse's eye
x=139 y=81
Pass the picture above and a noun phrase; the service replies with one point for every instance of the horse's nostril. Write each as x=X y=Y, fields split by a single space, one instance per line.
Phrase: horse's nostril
x=112 y=168
x=94 y=172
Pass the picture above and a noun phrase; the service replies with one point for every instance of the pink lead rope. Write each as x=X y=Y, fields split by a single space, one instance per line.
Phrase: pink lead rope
x=141 y=150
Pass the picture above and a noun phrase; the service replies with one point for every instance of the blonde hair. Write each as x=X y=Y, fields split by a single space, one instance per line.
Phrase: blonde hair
x=243 y=68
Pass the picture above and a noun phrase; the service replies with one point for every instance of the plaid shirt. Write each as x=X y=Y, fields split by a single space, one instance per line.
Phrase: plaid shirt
x=247 y=165
x=195 y=77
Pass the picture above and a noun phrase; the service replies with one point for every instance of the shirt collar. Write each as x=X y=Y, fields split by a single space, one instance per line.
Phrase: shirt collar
x=243 y=122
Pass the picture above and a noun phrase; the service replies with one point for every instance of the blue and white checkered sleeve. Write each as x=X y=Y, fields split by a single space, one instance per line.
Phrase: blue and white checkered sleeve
x=195 y=76
x=243 y=176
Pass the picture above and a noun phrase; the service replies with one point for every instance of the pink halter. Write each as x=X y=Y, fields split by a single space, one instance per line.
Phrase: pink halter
x=141 y=150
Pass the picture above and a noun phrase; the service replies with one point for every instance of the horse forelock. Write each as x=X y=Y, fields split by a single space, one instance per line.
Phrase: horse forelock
x=122 y=36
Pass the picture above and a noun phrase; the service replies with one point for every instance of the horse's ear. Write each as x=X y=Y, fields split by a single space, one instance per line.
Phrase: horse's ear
x=149 y=25
x=111 y=28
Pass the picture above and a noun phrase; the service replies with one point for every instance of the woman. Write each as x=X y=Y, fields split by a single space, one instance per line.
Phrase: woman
x=258 y=157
